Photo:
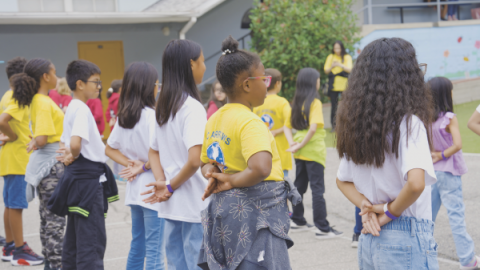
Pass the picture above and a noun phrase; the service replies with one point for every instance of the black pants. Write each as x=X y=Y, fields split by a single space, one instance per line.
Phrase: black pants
x=334 y=96
x=311 y=171
x=85 y=240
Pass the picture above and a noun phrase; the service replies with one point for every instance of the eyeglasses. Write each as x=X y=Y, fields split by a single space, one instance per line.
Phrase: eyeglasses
x=423 y=68
x=266 y=79
x=99 y=83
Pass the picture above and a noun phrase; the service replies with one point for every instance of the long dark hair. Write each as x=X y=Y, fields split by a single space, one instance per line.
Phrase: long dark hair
x=387 y=87
x=177 y=78
x=137 y=93
x=26 y=84
x=342 y=54
x=441 y=88
x=305 y=93
x=213 y=98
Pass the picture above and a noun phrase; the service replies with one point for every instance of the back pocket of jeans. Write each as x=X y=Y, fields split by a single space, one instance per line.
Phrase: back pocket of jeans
x=394 y=257
x=432 y=255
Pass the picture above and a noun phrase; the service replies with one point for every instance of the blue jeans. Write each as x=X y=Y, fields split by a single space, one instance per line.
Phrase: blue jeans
x=183 y=240
x=285 y=173
x=452 y=9
x=404 y=243
x=448 y=191
x=15 y=191
x=358 y=222
x=147 y=240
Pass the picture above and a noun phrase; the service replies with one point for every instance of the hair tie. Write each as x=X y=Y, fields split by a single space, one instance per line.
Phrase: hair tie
x=227 y=51
x=110 y=90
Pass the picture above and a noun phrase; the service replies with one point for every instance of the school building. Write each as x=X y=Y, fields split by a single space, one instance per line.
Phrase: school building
x=114 y=33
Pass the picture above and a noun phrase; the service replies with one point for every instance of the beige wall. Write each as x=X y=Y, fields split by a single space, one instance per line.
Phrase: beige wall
x=466 y=90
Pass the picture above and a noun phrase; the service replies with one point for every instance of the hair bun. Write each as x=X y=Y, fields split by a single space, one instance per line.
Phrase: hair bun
x=229 y=45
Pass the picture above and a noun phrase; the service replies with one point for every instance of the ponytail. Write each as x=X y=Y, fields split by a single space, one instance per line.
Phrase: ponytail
x=25 y=85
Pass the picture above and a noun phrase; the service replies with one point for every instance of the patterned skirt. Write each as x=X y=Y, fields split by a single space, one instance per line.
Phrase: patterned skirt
x=247 y=228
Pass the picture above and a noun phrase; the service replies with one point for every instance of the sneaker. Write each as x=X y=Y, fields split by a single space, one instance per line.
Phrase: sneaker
x=475 y=266
x=355 y=240
x=319 y=234
x=26 y=256
x=3 y=241
x=299 y=228
x=7 y=253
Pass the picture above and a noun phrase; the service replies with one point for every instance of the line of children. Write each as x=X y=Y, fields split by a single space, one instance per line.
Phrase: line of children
x=128 y=145
x=218 y=98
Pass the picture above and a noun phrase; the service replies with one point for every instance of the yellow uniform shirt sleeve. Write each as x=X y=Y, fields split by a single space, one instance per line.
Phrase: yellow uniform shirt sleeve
x=255 y=138
x=15 y=111
x=316 y=114
x=328 y=63
x=348 y=63
x=203 y=155
x=288 y=120
x=44 y=125
x=287 y=111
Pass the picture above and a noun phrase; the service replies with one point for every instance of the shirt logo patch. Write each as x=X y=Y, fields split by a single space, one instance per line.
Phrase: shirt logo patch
x=215 y=154
x=267 y=119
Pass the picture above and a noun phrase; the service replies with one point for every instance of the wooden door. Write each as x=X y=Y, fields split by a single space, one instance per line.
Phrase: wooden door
x=108 y=56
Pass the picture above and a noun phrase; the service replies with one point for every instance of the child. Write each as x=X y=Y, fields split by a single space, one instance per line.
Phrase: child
x=474 y=121
x=113 y=94
x=274 y=112
x=79 y=193
x=384 y=145
x=218 y=98
x=129 y=142
x=449 y=167
x=310 y=152
x=14 y=66
x=246 y=223
x=63 y=95
x=14 y=126
x=95 y=105
x=174 y=152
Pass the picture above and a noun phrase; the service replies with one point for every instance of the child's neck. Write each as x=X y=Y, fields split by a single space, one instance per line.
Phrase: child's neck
x=43 y=91
x=240 y=100
x=272 y=92
x=80 y=97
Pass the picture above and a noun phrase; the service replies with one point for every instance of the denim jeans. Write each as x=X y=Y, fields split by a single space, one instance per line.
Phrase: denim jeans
x=147 y=240
x=452 y=9
x=285 y=173
x=183 y=242
x=448 y=191
x=358 y=222
x=404 y=243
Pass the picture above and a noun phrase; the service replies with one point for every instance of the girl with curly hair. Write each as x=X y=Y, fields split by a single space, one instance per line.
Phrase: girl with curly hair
x=384 y=142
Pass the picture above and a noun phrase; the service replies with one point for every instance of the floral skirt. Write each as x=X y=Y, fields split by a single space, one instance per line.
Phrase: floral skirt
x=247 y=228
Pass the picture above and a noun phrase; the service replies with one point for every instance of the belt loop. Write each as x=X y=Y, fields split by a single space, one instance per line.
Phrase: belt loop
x=413 y=227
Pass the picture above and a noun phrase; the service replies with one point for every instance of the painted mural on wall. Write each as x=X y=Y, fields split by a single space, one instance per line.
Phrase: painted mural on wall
x=452 y=52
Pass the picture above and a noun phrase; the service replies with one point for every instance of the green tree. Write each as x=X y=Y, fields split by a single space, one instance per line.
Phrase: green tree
x=290 y=35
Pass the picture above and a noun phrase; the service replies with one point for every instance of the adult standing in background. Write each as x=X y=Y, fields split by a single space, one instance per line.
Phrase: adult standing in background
x=337 y=66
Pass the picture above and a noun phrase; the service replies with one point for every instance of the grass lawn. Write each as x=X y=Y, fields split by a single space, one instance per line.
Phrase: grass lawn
x=470 y=140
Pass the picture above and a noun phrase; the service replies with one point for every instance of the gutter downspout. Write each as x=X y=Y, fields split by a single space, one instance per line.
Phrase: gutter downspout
x=187 y=27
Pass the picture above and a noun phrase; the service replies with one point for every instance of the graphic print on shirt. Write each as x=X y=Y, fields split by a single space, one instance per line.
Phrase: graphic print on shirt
x=215 y=155
x=267 y=119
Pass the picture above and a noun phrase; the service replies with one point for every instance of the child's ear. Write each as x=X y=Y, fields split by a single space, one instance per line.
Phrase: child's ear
x=246 y=86
x=80 y=85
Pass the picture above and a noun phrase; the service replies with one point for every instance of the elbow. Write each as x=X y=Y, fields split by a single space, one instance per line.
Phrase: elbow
x=417 y=187
x=264 y=172
x=195 y=163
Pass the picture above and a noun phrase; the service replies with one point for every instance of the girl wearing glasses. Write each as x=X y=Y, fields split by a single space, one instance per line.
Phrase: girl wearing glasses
x=245 y=225
x=310 y=152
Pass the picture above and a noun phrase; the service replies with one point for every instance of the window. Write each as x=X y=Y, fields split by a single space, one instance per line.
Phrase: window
x=59 y=5
x=94 y=5
x=41 y=5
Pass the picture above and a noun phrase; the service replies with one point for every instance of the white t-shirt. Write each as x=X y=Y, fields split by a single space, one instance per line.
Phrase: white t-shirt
x=134 y=144
x=382 y=185
x=478 y=109
x=79 y=122
x=173 y=140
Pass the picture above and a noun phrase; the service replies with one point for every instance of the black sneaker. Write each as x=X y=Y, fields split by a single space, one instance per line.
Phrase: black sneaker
x=299 y=228
x=355 y=240
x=319 y=234
x=25 y=256
x=3 y=241
x=7 y=252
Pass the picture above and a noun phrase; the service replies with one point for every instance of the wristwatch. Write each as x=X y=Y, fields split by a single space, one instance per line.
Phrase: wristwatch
x=169 y=187
x=385 y=209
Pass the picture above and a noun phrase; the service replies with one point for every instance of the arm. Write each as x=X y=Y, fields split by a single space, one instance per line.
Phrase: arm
x=457 y=141
x=276 y=132
x=348 y=189
x=41 y=141
x=289 y=135
x=75 y=146
x=189 y=169
x=157 y=169
x=347 y=67
x=6 y=129
x=328 y=65
x=311 y=131
x=116 y=156
x=409 y=193
x=474 y=122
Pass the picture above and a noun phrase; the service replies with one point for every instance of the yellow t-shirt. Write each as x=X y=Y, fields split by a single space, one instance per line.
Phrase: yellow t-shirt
x=46 y=118
x=5 y=100
x=14 y=156
x=340 y=83
x=232 y=135
x=316 y=117
x=274 y=112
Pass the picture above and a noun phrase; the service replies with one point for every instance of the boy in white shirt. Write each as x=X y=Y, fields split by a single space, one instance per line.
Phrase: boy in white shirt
x=88 y=184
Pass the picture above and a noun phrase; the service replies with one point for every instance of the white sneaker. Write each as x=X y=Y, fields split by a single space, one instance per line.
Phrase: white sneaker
x=319 y=234
x=477 y=266
x=300 y=228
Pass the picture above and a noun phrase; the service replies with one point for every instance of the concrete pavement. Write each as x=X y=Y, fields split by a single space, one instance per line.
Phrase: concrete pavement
x=308 y=253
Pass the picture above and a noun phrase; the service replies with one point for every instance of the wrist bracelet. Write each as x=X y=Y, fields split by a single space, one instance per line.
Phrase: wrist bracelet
x=144 y=168
x=385 y=209
x=169 y=187
x=443 y=156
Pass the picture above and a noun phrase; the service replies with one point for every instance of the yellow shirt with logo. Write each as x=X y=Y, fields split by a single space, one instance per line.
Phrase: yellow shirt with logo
x=14 y=156
x=274 y=113
x=340 y=83
x=46 y=118
x=232 y=135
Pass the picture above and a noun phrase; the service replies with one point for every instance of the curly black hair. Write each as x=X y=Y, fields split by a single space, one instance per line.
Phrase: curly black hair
x=15 y=66
x=232 y=63
x=26 y=84
x=385 y=86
